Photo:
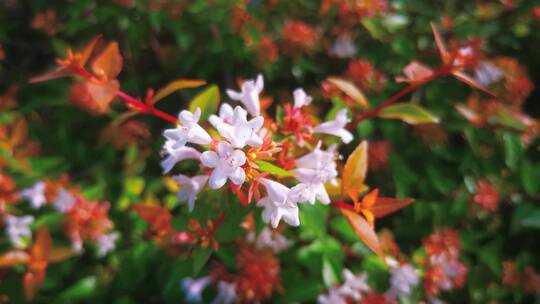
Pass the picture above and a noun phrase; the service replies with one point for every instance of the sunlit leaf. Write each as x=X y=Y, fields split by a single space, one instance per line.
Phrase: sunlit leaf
x=387 y=205
x=109 y=62
x=470 y=81
x=176 y=85
x=207 y=100
x=14 y=257
x=350 y=90
x=364 y=231
x=355 y=170
x=265 y=166
x=408 y=112
x=94 y=97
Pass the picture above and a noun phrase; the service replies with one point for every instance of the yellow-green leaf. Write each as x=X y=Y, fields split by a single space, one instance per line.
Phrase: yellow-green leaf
x=265 y=166
x=355 y=170
x=408 y=112
x=207 y=100
x=176 y=85
x=350 y=90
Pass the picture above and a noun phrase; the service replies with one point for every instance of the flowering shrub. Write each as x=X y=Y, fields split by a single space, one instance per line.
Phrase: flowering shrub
x=335 y=152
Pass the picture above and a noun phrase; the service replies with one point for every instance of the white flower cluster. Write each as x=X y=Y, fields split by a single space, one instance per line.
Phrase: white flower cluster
x=225 y=162
x=353 y=288
x=193 y=289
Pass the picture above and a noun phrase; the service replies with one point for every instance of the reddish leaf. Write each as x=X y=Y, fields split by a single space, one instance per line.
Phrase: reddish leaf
x=19 y=133
x=414 y=72
x=364 y=231
x=88 y=50
x=59 y=254
x=41 y=248
x=109 y=62
x=350 y=90
x=445 y=55
x=468 y=113
x=94 y=97
x=14 y=257
x=32 y=282
x=58 y=73
x=470 y=81
x=387 y=205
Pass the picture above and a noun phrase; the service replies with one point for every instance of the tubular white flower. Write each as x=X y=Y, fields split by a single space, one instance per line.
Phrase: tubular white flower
x=242 y=131
x=226 y=293
x=269 y=238
x=188 y=131
x=106 y=243
x=305 y=192
x=301 y=98
x=225 y=116
x=249 y=96
x=189 y=188
x=403 y=279
x=64 y=201
x=343 y=47
x=193 y=288
x=277 y=206
x=18 y=230
x=354 y=285
x=177 y=155
x=227 y=164
x=35 y=194
x=332 y=297
x=336 y=127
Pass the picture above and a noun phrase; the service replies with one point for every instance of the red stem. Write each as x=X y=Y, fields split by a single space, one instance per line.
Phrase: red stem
x=442 y=71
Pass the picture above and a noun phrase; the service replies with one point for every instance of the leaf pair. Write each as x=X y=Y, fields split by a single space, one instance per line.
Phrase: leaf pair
x=362 y=214
x=36 y=258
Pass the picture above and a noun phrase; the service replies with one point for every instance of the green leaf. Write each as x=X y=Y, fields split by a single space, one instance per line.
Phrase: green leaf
x=530 y=177
x=267 y=167
x=207 y=100
x=513 y=149
x=532 y=219
x=84 y=288
x=200 y=257
x=176 y=85
x=408 y=112
x=329 y=273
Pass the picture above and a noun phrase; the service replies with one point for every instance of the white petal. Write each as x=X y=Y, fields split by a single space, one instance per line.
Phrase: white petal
x=238 y=176
x=218 y=178
x=198 y=135
x=234 y=94
x=345 y=135
x=210 y=159
x=276 y=191
x=259 y=84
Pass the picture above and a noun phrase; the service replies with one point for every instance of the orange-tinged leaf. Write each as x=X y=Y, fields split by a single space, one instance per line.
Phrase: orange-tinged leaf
x=350 y=90
x=388 y=205
x=32 y=282
x=470 y=81
x=365 y=232
x=468 y=113
x=88 y=50
x=58 y=73
x=370 y=198
x=59 y=254
x=445 y=56
x=176 y=85
x=14 y=257
x=94 y=97
x=414 y=72
x=109 y=62
x=408 y=112
x=41 y=248
x=19 y=133
x=355 y=170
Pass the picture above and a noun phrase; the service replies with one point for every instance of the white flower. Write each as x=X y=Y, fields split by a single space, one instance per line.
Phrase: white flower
x=277 y=206
x=188 y=130
x=106 y=243
x=271 y=239
x=343 y=47
x=313 y=171
x=354 y=285
x=64 y=201
x=242 y=131
x=18 y=230
x=35 y=194
x=189 y=187
x=177 y=155
x=226 y=293
x=336 y=127
x=227 y=163
x=225 y=116
x=332 y=297
x=403 y=279
x=487 y=73
x=301 y=98
x=249 y=96
x=304 y=192
x=193 y=288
